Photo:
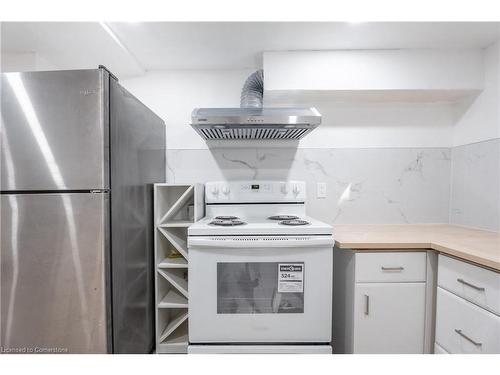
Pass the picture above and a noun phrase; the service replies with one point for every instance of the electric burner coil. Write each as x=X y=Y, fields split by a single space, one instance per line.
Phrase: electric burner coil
x=283 y=217
x=227 y=218
x=227 y=223
x=294 y=222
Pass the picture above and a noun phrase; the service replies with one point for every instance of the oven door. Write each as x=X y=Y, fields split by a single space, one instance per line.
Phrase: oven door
x=260 y=289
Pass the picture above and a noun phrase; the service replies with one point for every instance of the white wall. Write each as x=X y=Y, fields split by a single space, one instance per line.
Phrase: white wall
x=475 y=156
x=24 y=61
x=479 y=121
x=381 y=125
x=174 y=94
x=475 y=185
x=18 y=61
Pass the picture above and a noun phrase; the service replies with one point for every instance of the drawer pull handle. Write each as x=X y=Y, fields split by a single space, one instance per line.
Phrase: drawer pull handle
x=367 y=304
x=471 y=285
x=392 y=268
x=459 y=331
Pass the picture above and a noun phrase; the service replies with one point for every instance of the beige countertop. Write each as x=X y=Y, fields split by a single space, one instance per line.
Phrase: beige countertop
x=478 y=246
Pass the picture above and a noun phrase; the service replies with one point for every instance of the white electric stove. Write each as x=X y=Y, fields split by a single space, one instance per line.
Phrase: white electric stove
x=260 y=271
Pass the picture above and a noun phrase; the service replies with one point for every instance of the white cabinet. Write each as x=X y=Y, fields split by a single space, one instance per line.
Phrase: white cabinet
x=475 y=284
x=467 y=312
x=462 y=327
x=383 y=302
x=404 y=74
x=389 y=317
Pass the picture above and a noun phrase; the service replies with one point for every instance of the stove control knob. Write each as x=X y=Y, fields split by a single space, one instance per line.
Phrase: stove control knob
x=225 y=190
x=215 y=190
x=296 y=189
x=284 y=188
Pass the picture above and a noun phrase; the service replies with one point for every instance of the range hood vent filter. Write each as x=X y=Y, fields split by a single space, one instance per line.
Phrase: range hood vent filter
x=252 y=133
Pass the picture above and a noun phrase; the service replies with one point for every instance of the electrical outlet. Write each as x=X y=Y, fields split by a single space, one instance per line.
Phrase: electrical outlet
x=321 y=190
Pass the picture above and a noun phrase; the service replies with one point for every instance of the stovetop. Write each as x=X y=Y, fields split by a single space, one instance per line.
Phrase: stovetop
x=259 y=226
x=256 y=208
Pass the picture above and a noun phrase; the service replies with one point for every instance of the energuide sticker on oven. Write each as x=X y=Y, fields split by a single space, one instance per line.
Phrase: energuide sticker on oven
x=290 y=277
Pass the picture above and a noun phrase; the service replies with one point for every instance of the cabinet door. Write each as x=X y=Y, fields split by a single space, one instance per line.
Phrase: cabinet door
x=389 y=317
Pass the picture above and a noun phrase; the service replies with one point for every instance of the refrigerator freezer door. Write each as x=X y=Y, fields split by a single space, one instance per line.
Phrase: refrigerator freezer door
x=138 y=161
x=54 y=130
x=53 y=256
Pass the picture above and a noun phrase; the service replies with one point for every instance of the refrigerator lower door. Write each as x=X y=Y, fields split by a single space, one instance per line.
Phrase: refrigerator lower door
x=53 y=279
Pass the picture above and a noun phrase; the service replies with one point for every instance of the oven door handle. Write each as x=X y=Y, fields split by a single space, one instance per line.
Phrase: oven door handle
x=257 y=241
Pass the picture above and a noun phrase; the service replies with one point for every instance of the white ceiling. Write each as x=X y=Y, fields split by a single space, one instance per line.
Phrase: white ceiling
x=217 y=45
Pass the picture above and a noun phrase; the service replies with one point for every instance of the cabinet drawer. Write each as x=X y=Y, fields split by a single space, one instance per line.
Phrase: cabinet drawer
x=390 y=267
x=462 y=327
x=473 y=283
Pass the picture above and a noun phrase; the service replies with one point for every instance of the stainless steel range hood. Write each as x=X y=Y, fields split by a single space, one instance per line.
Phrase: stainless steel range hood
x=254 y=123
x=252 y=120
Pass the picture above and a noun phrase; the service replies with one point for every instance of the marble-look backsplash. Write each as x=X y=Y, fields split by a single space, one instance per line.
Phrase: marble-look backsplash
x=376 y=185
x=475 y=185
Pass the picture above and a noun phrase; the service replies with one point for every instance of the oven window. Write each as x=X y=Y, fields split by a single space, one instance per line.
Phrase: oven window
x=259 y=288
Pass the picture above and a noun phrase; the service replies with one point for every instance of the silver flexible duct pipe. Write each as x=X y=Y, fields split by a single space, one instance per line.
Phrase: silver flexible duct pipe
x=252 y=93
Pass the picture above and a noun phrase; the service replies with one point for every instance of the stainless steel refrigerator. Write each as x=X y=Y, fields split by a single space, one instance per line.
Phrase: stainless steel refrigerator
x=78 y=156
